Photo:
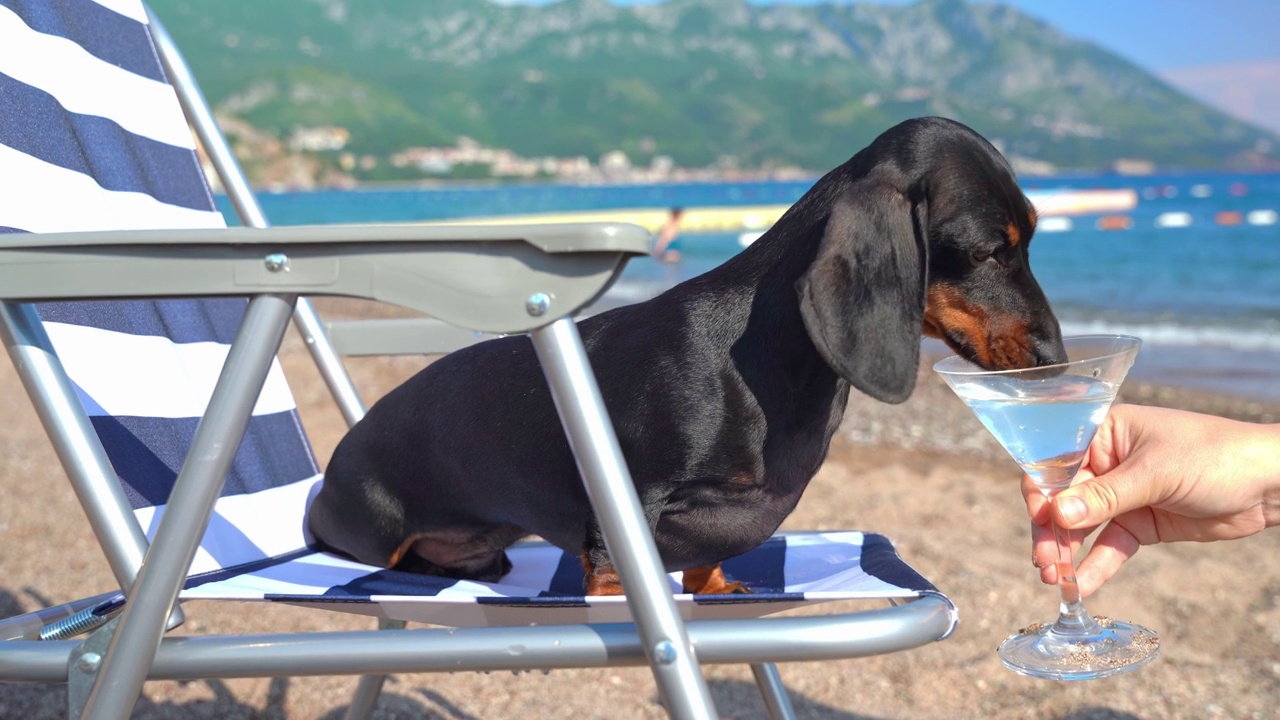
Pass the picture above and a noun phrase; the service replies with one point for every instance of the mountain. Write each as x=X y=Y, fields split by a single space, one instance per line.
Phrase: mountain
x=701 y=81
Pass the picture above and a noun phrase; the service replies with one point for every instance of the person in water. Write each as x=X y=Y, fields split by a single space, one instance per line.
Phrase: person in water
x=662 y=250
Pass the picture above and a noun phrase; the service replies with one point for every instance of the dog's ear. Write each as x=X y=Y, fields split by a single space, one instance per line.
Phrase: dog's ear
x=863 y=297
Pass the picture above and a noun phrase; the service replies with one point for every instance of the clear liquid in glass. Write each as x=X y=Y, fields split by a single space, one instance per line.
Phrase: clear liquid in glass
x=1046 y=425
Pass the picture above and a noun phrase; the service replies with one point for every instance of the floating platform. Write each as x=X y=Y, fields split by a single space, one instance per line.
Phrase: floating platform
x=1060 y=203
x=729 y=219
x=758 y=218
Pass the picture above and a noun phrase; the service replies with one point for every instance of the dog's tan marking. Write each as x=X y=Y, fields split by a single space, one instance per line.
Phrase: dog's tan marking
x=999 y=340
x=398 y=555
x=602 y=579
x=948 y=312
x=710 y=580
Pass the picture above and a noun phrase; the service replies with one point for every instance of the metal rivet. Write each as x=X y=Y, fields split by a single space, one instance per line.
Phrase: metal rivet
x=537 y=304
x=89 y=662
x=664 y=652
x=276 y=262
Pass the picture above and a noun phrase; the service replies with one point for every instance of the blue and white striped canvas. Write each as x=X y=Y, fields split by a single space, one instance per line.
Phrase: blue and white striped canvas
x=92 y=138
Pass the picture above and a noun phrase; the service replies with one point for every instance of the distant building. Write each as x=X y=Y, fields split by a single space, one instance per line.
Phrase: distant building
x=326 y=138
x=1028 y=166
x=615 y=161
x=1133 y=166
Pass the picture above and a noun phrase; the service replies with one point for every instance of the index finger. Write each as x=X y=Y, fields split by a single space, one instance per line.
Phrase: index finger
x=1037 y=503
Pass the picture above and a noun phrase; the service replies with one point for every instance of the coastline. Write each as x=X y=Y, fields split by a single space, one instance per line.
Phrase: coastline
x=924 y=473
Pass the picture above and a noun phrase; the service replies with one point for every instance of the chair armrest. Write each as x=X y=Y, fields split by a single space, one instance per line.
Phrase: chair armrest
x=417 y=335
x=474 y=276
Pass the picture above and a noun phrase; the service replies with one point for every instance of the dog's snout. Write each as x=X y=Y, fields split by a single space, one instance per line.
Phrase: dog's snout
x=1048 y=348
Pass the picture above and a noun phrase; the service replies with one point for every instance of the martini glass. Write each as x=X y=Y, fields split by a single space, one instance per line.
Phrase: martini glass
x=1045 y=418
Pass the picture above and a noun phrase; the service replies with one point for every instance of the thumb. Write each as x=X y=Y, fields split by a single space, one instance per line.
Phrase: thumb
x=1100 y=499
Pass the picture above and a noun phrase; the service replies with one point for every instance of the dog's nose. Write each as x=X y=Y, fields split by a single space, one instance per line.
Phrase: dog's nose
x=1048 y=347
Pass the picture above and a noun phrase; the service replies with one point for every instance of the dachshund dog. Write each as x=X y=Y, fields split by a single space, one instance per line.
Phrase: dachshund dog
x=724 y=391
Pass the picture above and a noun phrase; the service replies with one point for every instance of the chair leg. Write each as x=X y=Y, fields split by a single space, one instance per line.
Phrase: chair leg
x=74 y=439
x=128 y=658
x=622 y=521
x=775 y=694
x=83 y=665
x=366 y=697
x=370 y=687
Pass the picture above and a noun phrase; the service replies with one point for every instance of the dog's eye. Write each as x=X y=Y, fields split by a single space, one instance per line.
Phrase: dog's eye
x=982 y=256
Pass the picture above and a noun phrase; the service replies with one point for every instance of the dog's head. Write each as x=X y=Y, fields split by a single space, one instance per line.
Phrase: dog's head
x=931 y=235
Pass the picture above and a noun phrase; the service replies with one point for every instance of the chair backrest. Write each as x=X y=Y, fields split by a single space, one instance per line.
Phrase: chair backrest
x=92 y=137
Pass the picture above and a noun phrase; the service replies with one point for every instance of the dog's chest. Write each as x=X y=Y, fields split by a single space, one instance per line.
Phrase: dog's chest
x=750 y=488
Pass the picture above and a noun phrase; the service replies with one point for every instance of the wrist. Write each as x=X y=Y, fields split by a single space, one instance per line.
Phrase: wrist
x=1271 y=476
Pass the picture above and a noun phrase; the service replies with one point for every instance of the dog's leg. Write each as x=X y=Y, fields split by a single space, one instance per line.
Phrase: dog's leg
x=601 y=579
x=464 y=555
x=710 y=580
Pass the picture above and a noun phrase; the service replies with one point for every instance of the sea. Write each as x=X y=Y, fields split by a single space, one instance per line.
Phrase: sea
x=1193 y=269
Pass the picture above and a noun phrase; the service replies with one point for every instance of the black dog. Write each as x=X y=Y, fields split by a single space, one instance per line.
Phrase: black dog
x=724 y=391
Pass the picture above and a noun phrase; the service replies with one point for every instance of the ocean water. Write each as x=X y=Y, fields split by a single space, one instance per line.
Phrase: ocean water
x=1203 y=293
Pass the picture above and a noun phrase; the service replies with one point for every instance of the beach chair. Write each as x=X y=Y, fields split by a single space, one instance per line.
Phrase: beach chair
x=145 y=332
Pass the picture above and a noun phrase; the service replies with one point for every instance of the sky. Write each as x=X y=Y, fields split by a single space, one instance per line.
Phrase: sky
x=1226 y=52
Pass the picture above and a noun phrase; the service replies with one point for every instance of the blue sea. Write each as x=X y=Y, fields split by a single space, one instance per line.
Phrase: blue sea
x=1204 y=294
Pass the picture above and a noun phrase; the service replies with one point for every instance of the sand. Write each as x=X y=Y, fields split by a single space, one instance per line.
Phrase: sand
x=924 y=473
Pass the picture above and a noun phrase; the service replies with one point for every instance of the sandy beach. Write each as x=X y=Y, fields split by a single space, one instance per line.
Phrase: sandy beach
x=924 y=473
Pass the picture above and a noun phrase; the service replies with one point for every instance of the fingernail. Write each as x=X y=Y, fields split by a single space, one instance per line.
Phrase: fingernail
x=1049 y=574
x=1071 y=509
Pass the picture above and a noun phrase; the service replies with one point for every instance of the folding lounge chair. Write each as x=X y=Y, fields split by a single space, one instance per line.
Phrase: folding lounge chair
x=180 y=437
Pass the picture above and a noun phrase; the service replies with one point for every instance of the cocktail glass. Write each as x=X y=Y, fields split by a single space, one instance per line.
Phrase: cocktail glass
x=1045 y=417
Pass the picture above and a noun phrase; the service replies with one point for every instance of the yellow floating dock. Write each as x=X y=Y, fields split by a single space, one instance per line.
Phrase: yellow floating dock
x=692 y=220
x=758 y=218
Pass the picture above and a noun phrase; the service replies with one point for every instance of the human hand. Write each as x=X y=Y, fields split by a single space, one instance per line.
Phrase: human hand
x=1156 y=475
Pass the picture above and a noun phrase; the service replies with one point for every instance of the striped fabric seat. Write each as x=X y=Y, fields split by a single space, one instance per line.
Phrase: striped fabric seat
x=92 y=138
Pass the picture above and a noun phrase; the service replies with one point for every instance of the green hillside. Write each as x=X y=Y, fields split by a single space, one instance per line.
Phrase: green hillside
x=701 y=81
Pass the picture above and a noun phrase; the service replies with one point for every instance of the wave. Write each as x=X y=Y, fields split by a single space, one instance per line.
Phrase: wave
x=1195 y=334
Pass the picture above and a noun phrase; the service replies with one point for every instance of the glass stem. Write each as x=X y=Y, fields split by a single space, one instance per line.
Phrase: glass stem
x=1073 y=619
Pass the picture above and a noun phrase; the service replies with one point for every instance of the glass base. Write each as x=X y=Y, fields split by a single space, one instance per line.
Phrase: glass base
x=1111 y=648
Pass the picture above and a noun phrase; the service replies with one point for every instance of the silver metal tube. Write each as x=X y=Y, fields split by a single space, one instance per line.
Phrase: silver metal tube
x=24 y=627
x=617 y=507
x=206 y=127
x=369 y=688
x=365 y=698
x=74 y=440
x=242 y=198
x=783 y=639
x=329 y=362
x=199 y=483
x=773 y=691
x=29 y=625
